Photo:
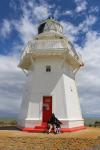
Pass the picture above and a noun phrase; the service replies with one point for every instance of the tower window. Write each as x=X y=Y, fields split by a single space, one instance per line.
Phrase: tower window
x=48 y=68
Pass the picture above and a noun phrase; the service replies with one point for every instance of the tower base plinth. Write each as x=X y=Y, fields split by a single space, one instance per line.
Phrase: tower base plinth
x=43 y=128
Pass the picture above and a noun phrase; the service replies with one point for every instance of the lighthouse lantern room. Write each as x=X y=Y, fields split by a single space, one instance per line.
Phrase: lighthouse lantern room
x=50 y=62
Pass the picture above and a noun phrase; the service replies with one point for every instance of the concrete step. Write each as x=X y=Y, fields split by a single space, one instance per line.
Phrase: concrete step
x=34 y=130
x=41 y=126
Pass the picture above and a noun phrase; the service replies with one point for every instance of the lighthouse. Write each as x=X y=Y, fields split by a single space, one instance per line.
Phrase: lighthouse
x=50 y=63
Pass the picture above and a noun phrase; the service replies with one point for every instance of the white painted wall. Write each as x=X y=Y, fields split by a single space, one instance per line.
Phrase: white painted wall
x=59 y=83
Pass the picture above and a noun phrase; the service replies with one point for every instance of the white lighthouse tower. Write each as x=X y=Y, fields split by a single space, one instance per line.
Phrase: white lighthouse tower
x=51 y=63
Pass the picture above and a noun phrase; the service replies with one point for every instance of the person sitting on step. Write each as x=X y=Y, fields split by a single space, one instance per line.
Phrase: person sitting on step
x=52 y=123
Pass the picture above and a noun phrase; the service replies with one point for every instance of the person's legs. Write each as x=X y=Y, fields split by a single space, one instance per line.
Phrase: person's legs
x=50 y=128
x=58 y=130
x=55 y=129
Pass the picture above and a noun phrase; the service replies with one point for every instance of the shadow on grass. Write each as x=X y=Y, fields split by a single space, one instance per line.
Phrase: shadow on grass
x=8 y=128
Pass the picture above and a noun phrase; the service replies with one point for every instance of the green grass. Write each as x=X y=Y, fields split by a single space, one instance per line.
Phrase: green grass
x=7 y=122
x=90 y=121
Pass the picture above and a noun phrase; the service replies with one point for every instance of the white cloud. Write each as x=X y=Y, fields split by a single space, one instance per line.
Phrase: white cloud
x=24 y=26
x=87 y=23
x=8 y=64
x=5 y=28
x=94 y=9
x=73 y=31
x=89 y=78
x=68 y=13
x=57 y=13
x=81 y=5
x=32 y=12
x=11 y=84
x=70 y=30
x=41 y=12
x=25 y=29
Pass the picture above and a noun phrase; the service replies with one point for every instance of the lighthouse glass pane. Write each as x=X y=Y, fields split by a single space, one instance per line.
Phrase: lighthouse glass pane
x=49 y=26
x=53 y=26
x=41 y=28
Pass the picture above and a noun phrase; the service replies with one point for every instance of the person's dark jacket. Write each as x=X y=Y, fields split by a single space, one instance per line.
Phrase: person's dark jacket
x=58 y=123
x=52 y=120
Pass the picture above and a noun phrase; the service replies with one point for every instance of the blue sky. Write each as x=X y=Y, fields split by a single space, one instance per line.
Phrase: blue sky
x=18 y=24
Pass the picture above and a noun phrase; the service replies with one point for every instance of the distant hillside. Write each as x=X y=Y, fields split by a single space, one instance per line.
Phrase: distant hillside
x=7 y=115
x=91 y=115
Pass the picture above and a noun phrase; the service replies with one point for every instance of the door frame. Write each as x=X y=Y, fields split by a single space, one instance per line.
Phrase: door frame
x=43 y=103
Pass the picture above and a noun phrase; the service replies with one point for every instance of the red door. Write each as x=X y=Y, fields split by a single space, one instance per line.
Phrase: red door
x=47 y=108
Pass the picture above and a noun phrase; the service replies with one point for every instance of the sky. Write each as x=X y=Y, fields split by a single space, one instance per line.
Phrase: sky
x=19 y=20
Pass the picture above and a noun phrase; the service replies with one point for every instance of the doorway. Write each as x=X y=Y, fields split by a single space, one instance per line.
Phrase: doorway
x=47 y=108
